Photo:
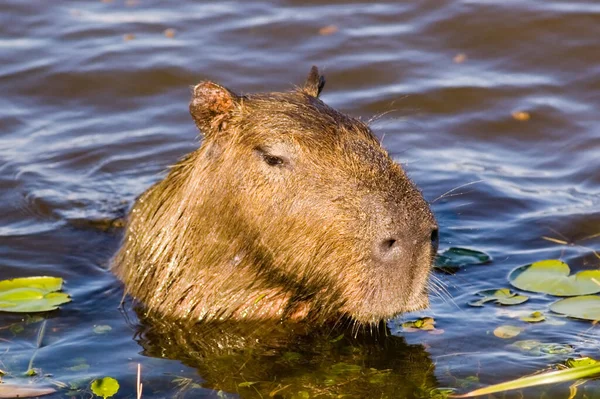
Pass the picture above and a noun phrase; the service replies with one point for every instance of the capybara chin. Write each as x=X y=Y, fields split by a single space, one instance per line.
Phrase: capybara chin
x=289 y=210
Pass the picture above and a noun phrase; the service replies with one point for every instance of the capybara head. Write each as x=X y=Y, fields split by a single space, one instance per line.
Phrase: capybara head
x=288 y=210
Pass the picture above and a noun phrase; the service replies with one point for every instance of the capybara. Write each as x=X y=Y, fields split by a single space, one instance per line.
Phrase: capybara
x=289 y=210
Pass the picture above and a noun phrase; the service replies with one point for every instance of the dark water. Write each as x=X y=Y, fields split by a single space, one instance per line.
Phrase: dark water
x=94 y=107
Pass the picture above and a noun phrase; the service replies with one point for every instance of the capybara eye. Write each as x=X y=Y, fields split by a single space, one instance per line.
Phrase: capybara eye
x=272 y=160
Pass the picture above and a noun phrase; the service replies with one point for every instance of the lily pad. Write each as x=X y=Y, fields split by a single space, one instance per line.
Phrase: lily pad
x=507 y=332
x=424 y=323
x=452 y=259
x=502 y=296
x=534 y=317
x=585 y=307
x=553 y=277
x=31 y=294
x=44 y=283
x=538 y=348
x=105 y=387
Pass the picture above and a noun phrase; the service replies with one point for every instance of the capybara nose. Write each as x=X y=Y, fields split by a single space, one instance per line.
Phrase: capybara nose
x=390 y=251
x=396 y=249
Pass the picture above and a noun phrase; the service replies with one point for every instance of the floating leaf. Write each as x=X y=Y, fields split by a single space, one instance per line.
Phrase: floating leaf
x=502 y=296
x=424 y=323
x=585 y=307
x=31 y=294
x=43 y=283
x=32 y=372
x=553 y=277
x=507 y=332
x=551 y=377
x=454 y=258
x=534 y=317
x=105 y=387
x=538 y=348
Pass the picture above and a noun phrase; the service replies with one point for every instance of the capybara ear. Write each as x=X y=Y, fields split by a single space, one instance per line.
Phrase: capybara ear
x=314 y=82
x=211 y=106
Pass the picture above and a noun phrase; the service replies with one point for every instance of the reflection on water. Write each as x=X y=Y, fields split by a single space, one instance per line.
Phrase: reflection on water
x=257 y=360
x=94 y=108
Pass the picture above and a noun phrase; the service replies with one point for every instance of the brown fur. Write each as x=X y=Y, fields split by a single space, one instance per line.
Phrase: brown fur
x=275 y=215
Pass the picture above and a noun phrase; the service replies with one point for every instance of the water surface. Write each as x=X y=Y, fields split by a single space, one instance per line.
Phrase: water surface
x=94 y=108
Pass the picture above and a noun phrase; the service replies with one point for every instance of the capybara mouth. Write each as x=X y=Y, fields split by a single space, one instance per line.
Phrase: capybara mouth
x=383 y=304
x=288 y=210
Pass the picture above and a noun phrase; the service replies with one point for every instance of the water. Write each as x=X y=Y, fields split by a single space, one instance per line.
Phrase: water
x=94 y=108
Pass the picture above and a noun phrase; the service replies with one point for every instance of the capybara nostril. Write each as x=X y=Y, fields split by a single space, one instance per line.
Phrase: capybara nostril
x=387 y=252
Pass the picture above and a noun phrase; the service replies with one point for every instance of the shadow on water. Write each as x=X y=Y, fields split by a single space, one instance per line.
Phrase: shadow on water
x=292 y=361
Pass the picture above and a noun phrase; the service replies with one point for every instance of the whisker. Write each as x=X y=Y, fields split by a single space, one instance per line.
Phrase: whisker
x=456 y=188
x=380 y=115
x=439 y=288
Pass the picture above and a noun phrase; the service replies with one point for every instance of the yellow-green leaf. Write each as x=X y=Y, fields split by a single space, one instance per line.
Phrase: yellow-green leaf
x=502 y=296
x=553 y=277
x=43 y=283
x=31 y=294
x=105 y=387
x=507 y=332
x=534 y=317
x=580 y=307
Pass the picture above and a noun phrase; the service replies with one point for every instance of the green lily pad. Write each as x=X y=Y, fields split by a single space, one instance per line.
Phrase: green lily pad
x=43 y=283
x=423 y=323
x=534 y=317
x=585 y=307
x=31 y=294
x=502 y=296
x=553 y=277
x=454 y=258
x=105 y=387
